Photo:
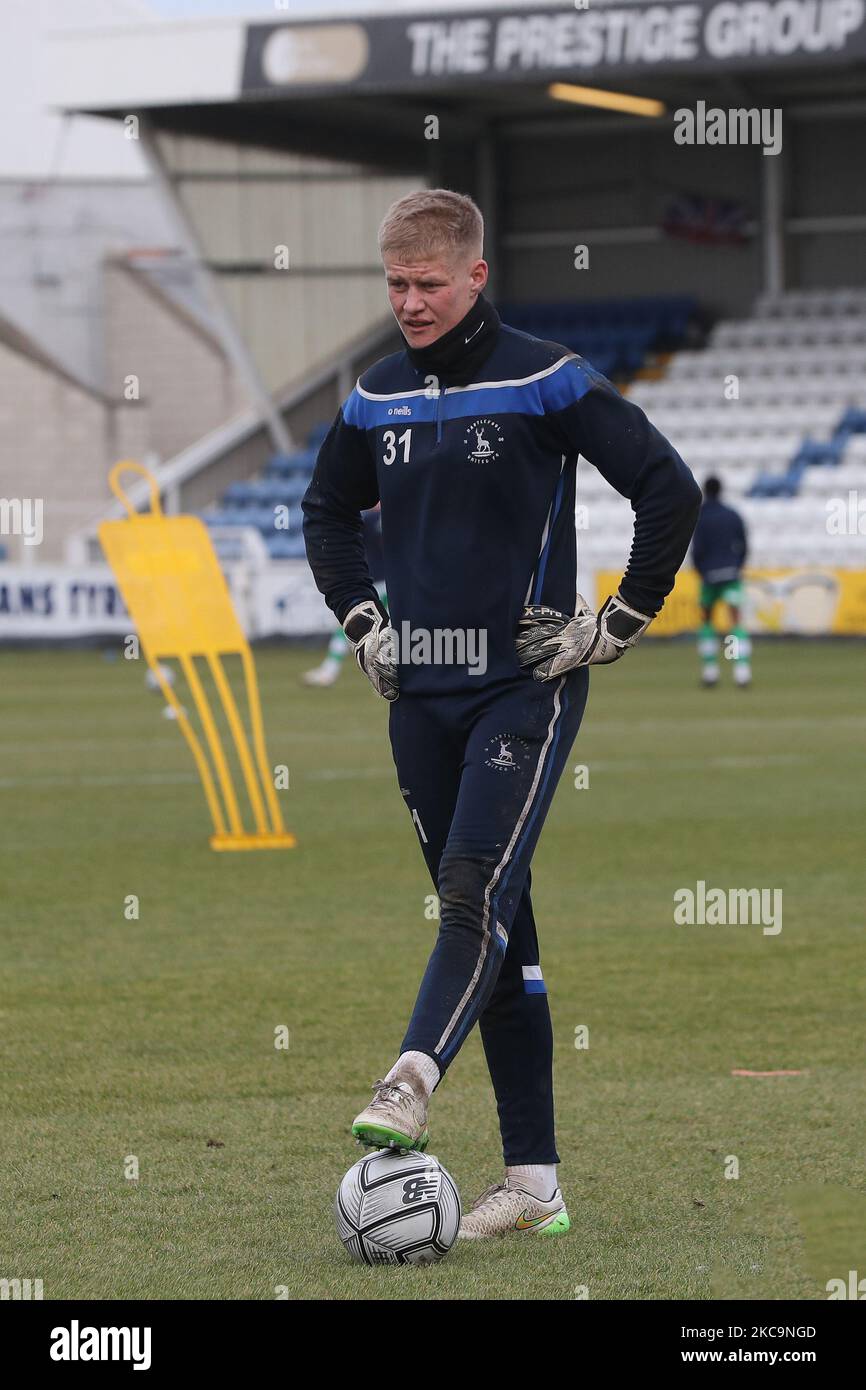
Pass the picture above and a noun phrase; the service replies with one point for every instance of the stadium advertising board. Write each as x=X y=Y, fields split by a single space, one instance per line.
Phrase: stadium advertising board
x=281 y=600
x=807 y=602
x=596 y=39
x=51 y=601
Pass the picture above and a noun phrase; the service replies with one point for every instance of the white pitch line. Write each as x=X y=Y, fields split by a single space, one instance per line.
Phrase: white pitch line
x=136 y=779
x=733 y=762
x=337 y=774
x=697 y=764
x=732 y=722
x=171 y=779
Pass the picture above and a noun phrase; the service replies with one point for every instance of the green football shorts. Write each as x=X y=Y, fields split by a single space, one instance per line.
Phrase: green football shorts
x=729 y=591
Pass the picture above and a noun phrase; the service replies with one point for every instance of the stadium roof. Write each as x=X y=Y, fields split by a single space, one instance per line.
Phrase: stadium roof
x=305 y=83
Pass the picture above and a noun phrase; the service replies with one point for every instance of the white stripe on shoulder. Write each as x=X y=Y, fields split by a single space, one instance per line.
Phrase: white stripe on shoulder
x=394 y=395
x=472 y=386
x=515 y=381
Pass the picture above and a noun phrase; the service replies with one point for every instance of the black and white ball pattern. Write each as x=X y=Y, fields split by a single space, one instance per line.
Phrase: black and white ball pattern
x=397 y=1208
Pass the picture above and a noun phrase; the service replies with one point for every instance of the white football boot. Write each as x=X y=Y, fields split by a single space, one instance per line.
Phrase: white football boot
x=507 y=1207
x=396 y=1118
x=323 y=675
x=742 y=673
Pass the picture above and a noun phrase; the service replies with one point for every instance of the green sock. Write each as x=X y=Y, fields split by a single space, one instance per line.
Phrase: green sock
x=708 y=649
x=743 y=648
x=338 y=646
x=742 y=656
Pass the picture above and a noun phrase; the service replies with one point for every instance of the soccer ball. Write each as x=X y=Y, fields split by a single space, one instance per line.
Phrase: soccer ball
x=397 y=1209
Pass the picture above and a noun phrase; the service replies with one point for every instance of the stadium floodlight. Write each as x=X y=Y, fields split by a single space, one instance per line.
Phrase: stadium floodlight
x=177 y=596
x=610 y=101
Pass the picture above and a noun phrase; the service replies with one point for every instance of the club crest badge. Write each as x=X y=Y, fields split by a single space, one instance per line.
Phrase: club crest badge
x=502 y=753
x=483 y=440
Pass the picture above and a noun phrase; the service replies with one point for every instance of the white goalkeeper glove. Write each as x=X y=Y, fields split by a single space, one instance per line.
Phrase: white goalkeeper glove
x=549 y=643
x=371 y=638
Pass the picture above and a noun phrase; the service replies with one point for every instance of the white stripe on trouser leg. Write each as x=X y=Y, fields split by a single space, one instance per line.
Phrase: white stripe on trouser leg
x=497 y=873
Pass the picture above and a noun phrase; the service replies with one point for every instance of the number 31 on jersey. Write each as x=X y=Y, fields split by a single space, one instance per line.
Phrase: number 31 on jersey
x=392 y=443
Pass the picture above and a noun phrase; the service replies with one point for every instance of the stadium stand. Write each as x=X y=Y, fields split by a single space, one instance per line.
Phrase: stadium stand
x=255 y=503
x=615 y=335
x=795 y=427
x=794 y=430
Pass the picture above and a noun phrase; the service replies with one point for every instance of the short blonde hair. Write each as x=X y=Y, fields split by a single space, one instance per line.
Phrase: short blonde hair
x=432 y=222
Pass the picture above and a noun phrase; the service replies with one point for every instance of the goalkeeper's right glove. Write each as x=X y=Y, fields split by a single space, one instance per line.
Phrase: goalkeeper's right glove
x=550 y=643
x=372 y=639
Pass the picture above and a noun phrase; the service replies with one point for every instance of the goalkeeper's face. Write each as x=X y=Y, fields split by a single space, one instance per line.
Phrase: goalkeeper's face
x=430 y=296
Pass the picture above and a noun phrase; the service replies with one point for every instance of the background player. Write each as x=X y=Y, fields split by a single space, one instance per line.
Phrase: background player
x=470 y=436
x=719 y=550
x=328 y=670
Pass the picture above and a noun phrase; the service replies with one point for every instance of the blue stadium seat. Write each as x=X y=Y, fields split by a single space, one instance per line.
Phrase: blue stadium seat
x=817 y=454
x=812 y=453
x=300 y=464
x=251 y=502
x=238 y=495
x=852 y=422
x=283 y=546
x=613 y=335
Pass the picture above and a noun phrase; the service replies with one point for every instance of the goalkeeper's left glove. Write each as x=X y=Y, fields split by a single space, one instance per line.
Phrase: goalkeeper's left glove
x=549 y=643
x=371 y=638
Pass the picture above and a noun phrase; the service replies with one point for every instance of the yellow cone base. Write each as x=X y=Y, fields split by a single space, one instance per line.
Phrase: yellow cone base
x=282 y=841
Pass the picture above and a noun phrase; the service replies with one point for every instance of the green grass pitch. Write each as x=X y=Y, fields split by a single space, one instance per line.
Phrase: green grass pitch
x=154 y=1037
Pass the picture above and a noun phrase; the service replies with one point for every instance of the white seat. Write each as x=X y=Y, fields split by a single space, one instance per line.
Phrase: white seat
x=800 y=361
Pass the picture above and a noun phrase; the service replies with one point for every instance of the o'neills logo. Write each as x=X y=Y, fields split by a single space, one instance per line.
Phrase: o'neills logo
x=399 y=410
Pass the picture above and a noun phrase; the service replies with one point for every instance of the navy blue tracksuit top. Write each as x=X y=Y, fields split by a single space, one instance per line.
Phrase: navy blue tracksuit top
x=477 y=485
x=719 y=544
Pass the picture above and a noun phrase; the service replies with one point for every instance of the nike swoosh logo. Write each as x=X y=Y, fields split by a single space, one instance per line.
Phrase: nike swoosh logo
x=475 y=334
x=525 y=1223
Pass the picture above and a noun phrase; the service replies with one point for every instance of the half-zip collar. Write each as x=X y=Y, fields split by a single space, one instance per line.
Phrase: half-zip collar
x=455 y=358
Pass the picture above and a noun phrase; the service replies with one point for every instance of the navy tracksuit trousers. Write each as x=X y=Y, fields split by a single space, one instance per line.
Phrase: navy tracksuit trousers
x=478 y=771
